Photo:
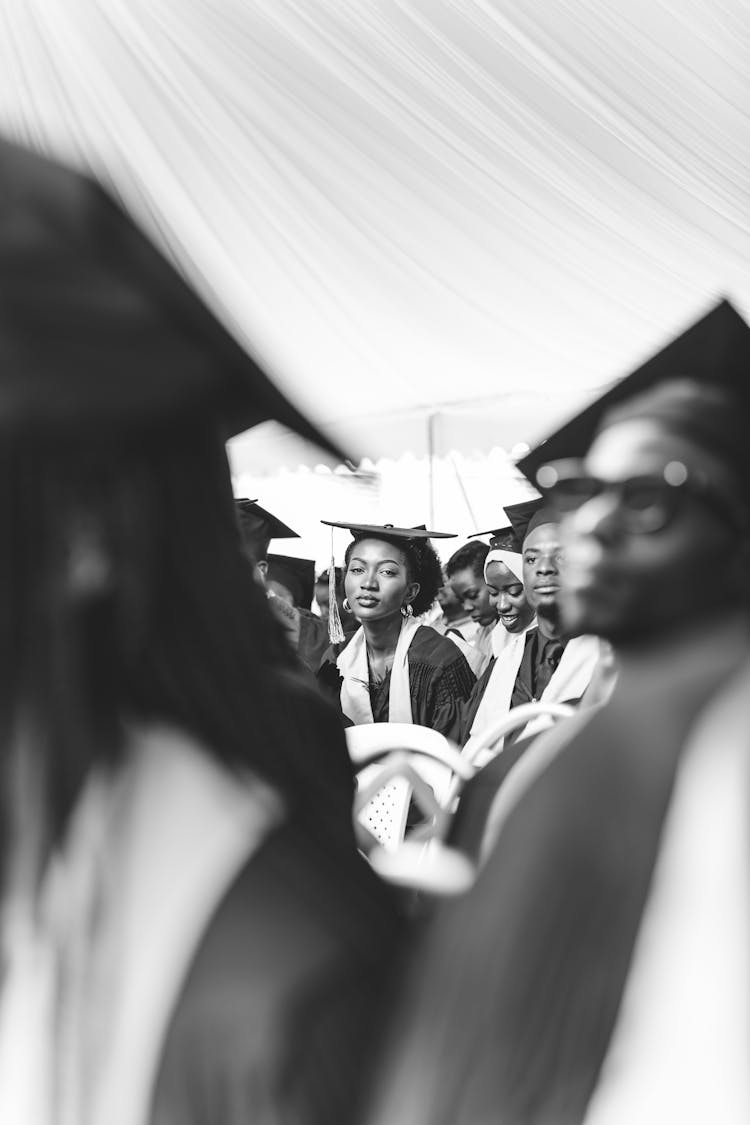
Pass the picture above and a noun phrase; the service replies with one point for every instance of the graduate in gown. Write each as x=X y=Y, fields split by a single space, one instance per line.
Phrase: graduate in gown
x=188 y=934
x=395 y=669
x=465 y=571
x=291 y=578
x=598 y=971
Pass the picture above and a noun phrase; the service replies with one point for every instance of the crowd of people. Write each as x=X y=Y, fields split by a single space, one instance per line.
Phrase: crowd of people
x=192 y=931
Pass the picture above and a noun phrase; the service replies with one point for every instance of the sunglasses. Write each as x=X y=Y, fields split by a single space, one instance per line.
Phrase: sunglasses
x=648 y=503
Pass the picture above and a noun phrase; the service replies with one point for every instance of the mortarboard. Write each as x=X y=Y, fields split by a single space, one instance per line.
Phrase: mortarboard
x=100 y=336
x=257 y=520
x=298 y=575
x=520 y=516
x=258 y=527
x=715 y=350
x=389 y=531
x=499 y=537
x=386 y=531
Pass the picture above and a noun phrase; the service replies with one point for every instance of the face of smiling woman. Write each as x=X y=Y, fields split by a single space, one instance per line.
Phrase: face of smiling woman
x=508 y=597
x=377 y=581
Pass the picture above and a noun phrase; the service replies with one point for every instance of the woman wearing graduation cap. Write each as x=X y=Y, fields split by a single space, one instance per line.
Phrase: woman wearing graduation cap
x=394 y=669
x=188 y=934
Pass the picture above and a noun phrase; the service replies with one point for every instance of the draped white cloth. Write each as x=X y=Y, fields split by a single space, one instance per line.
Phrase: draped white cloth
x=91 y=986
x=414 y=201
x=568 y=681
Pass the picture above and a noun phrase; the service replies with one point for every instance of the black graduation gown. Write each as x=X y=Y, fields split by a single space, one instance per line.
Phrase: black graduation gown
x=280 y=1013
x=517 y=988
x=439 y=679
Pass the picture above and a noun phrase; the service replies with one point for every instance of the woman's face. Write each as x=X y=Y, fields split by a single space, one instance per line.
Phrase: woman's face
x=377 y=581
x=474 y=596
x=508 y=597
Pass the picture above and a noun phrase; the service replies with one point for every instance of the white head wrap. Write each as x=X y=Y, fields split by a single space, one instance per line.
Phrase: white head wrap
x=510 y=559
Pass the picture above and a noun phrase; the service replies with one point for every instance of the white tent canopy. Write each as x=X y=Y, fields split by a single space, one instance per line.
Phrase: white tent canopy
x=400 y=204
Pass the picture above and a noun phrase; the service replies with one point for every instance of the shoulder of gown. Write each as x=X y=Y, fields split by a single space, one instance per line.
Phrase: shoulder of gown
x=281 y=1011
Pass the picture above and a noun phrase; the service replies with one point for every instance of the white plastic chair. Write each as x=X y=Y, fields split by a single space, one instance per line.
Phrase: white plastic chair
x=398 y=762
x=512 y=720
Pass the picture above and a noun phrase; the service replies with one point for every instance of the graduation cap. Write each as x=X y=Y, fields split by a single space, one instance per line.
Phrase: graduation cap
x=500 y=537
x=388 y=531
x=298 y=575
x=258 y=527
x=524 y=516
x=715 y=350
x=100 y=337
x=375 y=531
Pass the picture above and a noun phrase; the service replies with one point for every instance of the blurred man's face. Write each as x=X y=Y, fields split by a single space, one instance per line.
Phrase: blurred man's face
x=624 y=583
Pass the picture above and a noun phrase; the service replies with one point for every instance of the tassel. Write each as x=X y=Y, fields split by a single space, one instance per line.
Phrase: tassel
x=335 y=628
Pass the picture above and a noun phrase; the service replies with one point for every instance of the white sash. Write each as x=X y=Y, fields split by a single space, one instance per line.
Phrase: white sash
x=508 y=649
x=479 y=650
x=172 y=830
x=355 y=687
x=568 y=681
x=680 y=1050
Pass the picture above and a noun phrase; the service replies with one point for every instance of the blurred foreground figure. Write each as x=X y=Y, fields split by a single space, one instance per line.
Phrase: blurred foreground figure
x=599 y=970
x=188 y=933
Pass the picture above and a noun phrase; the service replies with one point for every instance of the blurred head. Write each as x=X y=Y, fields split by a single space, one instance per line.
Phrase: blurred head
x=449 y=603
x=383 y=576
x=125 y=598
x=508 y=597
x=465 y=570
x=656 y=519
x=322 y=595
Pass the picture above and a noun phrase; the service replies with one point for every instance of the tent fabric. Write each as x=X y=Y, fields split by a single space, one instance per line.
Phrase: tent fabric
x=404 y=203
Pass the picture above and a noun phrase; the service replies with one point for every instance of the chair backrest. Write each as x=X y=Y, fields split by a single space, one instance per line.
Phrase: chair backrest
x=486 y=746
x=395 y=762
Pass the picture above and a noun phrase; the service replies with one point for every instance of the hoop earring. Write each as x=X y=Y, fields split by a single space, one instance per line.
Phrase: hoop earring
x=406 y=610
x=345 y=606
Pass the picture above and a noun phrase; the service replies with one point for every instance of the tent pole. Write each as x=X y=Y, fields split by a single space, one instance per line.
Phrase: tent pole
x=431 y=417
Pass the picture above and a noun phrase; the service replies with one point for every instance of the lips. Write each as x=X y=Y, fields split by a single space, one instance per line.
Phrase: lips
x=546 y=589
x=367 y=602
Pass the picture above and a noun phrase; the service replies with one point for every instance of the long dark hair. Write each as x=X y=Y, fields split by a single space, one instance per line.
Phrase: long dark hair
x=124 y=595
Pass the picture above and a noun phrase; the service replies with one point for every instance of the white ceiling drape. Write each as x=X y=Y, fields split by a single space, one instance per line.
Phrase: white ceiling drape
x=405 y=203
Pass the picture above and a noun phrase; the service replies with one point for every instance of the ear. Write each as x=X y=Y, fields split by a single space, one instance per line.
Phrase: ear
x=411 y=592
x=261 y=571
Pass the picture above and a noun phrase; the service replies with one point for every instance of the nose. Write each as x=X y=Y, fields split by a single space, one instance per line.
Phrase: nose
x=598 y=517
x=369 y=580
x=504 y=603
x=547 y=563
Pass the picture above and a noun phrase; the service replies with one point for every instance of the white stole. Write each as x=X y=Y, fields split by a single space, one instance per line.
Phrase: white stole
x=355 y=673
x=568 y=681
x=121 y=925
x=680 y=1050
x=508 y=650
x=570 y=678
x=479 y=650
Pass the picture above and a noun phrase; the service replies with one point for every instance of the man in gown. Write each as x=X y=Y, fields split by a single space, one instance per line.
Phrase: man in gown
x=599 y=969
